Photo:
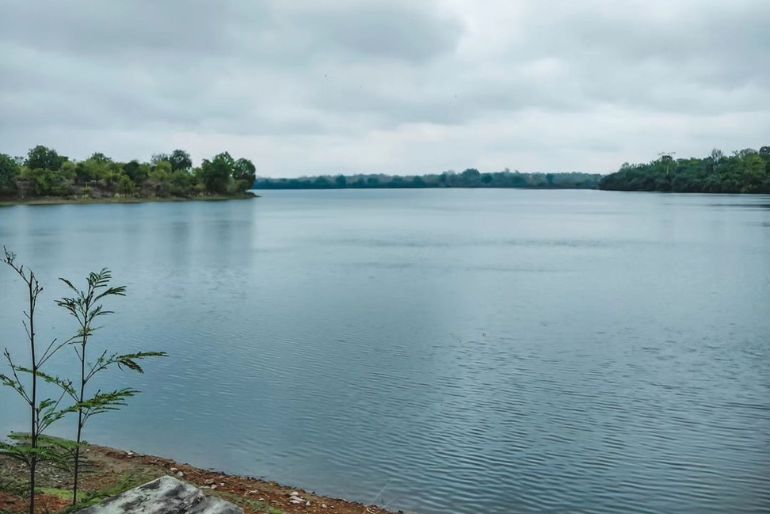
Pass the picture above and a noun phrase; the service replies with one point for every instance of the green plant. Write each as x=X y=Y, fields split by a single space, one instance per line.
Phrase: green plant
x=86 y=307
x=33 y=448
x=126 y=482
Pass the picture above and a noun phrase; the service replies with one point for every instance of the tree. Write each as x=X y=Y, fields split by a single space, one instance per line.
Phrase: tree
x=9 y=170
x=217 y=172
x=137 y=172
x=126 y=185
x=470 y=177
x=180 y=160
x=41 y=157
x=34 y=448
x=86 y=307
x=158 y=158
x=244 y=173
x=100 y=158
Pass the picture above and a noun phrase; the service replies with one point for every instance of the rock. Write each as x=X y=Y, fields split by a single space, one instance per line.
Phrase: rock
x=161 y=496
x=323 y=505
x=179 y=474
x=294 y=493
x=173 y=470
x=208 y=481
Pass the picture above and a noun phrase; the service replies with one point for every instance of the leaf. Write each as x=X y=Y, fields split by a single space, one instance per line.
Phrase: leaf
x=129 y=360
x=69 y=284
x=63 y=384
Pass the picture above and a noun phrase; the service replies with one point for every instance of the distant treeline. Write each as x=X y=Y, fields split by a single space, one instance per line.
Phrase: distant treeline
x=45 y=173
x=745 y=171
x=468 y=178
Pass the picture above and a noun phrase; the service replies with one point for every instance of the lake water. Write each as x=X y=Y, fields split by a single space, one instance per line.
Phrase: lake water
x=434 y=351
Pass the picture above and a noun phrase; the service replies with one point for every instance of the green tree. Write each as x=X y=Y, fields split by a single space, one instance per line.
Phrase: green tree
x=244 y=173
x=9 y=171
x=86 y=307
x=34 y=448
x=126 y=186
x=217 y=172
x=137 y=172
x=470 y=178
x=41 y=157
x=180 y=160
x=158 y=158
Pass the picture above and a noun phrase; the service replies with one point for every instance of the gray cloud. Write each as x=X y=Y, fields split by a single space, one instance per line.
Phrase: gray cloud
x=386 y=85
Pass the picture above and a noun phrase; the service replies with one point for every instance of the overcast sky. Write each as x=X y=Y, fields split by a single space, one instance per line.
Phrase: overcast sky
x=324 y=86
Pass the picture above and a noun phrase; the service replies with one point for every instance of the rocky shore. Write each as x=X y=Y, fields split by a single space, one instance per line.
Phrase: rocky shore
x=111 y=472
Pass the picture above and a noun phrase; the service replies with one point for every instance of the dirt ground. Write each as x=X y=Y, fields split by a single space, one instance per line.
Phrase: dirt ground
x=110 y=472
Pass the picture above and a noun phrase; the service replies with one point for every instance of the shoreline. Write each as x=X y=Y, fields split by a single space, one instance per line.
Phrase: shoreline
x=113 y=471
x=56 y=200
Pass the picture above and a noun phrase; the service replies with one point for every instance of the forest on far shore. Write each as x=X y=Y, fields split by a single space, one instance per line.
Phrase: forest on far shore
x=44 y=173
x=745 y=171
x=468 y=178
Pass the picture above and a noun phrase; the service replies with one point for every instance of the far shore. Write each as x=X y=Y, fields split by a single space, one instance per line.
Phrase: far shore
x=113 y=471
x=59 y=200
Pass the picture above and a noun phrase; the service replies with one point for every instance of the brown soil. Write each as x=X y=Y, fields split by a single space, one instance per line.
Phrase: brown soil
x=112 y=471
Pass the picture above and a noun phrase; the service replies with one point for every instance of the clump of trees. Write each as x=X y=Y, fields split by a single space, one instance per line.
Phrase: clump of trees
x=45 y=173
x=49 y=398
x=470 y=178
x=745 y=171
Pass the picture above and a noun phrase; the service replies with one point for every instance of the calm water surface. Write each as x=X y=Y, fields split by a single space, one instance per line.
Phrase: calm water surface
x=435 y=351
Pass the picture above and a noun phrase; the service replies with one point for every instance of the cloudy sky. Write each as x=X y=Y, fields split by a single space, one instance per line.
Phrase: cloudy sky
x=323 y=86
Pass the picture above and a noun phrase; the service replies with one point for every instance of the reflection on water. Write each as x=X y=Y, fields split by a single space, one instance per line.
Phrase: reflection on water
x=434 y=351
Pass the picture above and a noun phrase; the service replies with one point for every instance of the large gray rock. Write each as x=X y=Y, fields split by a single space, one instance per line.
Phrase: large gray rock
x=163 y=496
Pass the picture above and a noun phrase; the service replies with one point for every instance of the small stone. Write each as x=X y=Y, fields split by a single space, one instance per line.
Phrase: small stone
x=253 y=491
x=261 y=499
x=180 y=474
x=294 y=493
x=323 y=505
x=129 y=453
x=221 y=484
x=173 y=470
x=296 y=500
x=307 y=504
x=214 y=486
x=208 y=481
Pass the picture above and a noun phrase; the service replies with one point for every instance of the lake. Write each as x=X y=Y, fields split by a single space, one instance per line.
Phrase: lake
x=434 y=351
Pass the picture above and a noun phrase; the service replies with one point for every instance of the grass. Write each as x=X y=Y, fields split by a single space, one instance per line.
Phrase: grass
x=126 y=482
x=64 y=494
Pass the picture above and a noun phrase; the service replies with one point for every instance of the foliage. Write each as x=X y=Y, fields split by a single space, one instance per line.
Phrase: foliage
x=126 y=482
x=217 y=172
x=180 y=160
x=244 y=173
x=34 y=447
x=41 y=157
x=745 y=171
x=45 y=173
x=469 y=178
x=86 y=307
x=9 y=171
